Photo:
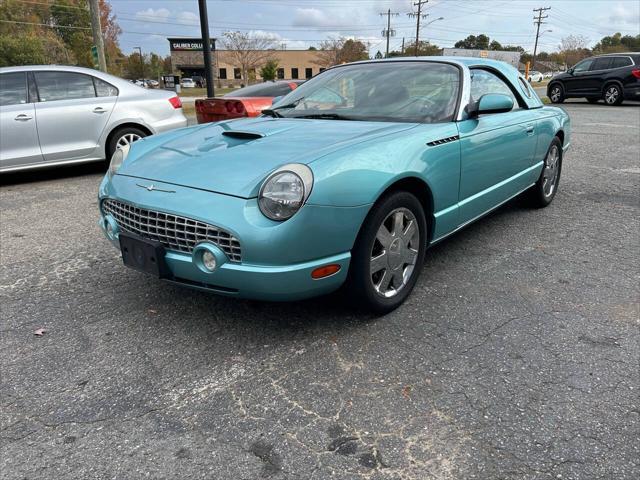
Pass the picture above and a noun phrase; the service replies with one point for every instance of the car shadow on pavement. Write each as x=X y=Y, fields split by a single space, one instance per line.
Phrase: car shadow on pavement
x=53 y=173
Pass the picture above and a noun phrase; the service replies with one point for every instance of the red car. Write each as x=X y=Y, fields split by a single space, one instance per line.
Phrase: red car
x=245 y=102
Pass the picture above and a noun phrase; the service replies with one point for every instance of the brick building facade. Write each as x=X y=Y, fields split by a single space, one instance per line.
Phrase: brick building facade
x=187 y=60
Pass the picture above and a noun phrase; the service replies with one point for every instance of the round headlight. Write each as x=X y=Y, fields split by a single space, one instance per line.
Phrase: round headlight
x=117 y=159
x=285 y=191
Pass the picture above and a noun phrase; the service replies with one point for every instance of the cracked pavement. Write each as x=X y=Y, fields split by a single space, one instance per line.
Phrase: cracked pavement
x=516 y=357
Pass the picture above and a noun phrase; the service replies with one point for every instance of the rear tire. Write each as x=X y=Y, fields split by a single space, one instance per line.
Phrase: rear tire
x=388 y=254
x=556 y=93
x=124 y=136
x=544 y=191
x=613 y=94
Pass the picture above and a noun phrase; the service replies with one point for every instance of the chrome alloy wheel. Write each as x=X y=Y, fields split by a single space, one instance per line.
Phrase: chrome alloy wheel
x=127 y=139
x=551 y=170
x=556 y=92
x=394 y=252
x=611 y=95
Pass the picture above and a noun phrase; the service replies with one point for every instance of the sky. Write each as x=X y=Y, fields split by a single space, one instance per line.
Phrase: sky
x=298 y=24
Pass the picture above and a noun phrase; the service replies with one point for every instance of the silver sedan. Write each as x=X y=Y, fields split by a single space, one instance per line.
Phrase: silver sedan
x=55 y=115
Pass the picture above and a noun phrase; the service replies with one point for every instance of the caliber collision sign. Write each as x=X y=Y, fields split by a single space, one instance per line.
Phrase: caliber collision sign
x=187 y=44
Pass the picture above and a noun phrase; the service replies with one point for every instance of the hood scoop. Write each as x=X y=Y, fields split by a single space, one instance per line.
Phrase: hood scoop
x=242 y=135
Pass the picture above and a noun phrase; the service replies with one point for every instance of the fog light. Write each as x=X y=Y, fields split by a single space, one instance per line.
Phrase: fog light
x=209 y=260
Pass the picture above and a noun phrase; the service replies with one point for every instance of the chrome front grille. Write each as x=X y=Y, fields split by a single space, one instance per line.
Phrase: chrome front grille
x=172 y=231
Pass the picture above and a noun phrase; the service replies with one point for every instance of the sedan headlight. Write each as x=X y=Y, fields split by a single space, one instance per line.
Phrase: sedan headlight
x=284 y=192
x=117 y=159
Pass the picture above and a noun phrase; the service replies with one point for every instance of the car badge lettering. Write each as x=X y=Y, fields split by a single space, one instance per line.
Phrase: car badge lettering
x=153 y=188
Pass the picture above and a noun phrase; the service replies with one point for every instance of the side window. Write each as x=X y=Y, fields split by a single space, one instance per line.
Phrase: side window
x=583 y=66
x=104 y=89
x=524 y=85
x=618 y=62
x=483 y=82
x=602 y=63
x=64 y=86
x=13 y=89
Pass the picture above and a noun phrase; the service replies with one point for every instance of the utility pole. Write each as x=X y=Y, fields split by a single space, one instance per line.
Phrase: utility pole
x=388 y=32
x=538 y=21
x=402 y=45
x=141 y=63
x=418 y=15
x=97 y=33
x=206 y=46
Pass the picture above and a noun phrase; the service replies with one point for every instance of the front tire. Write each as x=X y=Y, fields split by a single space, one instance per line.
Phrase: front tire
x=613 y=95
x=389 y=253
x=543 y=192
x=556 y=93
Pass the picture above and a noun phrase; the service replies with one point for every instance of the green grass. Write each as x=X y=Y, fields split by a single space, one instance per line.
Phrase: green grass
x=202 y=92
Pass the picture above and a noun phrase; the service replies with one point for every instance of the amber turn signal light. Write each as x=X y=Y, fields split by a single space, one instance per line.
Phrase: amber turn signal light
x=325 y=271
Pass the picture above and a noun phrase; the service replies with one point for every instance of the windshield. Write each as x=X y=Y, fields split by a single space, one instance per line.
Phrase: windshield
x=425 y=92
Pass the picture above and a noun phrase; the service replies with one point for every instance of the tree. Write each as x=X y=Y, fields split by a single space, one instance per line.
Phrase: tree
x=495 y=45
x=481 y=42
x=312 y=48
x=573 y=49
x=424 y=49
x=269 y=70
x=249 y=50
x=341 y=50
x=617 y=43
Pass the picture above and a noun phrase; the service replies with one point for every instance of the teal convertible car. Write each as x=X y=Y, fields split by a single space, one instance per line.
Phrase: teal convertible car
x=344 y=182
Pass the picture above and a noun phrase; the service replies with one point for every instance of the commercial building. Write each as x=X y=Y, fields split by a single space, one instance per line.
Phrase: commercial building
x=187 y=58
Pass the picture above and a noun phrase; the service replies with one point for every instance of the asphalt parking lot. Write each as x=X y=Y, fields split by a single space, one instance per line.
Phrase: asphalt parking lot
x=516 y=357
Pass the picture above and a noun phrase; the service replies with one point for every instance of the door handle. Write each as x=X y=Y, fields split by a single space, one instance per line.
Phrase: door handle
x=99 y=110
x=23 y=118
x=529 y=129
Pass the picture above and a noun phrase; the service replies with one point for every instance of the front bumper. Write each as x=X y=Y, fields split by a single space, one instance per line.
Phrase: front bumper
x=277 y=258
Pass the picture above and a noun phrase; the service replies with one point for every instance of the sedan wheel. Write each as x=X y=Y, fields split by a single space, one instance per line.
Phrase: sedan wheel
x=394 y=252
x=613 y=95
x=127 y=139
x=551 y=170
x=388 y=254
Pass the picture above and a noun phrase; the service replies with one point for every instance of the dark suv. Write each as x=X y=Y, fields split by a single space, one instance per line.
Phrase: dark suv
x=613 y=77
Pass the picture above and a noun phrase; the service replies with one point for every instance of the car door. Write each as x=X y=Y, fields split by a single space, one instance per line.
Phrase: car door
x=19 y=144
x=497 y=149
x=71 y=117
x=577 y=82
x=594 y=82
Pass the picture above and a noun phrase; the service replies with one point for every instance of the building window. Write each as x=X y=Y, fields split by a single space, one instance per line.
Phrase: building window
x=222 y=75
x=237 y=74
x=280 y=73
x=308 y=72
x=294 y=73
x=322 y=69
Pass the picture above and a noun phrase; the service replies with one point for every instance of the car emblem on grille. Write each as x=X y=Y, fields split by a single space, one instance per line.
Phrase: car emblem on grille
x=153 y=188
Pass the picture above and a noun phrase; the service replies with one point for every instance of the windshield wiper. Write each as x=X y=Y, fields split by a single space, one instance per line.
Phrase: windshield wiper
x=323 y=116
x=272 y=111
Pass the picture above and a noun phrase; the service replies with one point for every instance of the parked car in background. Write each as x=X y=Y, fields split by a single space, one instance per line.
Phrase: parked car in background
x=345 y=181
x=152 y=83
x=141 y=83
x=548 y=74
x=244 y=102
x=188 y=83
x=612 y=78
x=535 y=76
x=200 y=81
x=55 y=115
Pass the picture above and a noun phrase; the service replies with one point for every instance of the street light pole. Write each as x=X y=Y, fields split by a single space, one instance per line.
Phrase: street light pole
x=206 y=46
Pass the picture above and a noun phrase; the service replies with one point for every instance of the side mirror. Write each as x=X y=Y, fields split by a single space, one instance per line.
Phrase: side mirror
x=491 y=103
x=275 y=100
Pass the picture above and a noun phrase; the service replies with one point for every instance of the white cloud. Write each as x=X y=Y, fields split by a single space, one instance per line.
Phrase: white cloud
x=151 y=14
x=313 y=17
x=188 y=18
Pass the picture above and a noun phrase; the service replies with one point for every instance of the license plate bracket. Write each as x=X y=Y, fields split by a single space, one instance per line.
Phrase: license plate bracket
x=144 y=255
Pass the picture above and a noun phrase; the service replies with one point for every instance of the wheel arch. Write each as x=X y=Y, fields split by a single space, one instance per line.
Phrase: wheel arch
x=612 y=81
x=420 y=189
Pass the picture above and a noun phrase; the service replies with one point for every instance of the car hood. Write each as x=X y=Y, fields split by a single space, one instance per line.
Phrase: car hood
x=234 y=157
